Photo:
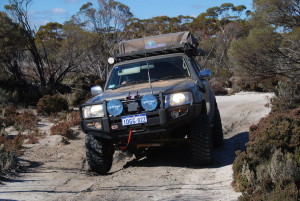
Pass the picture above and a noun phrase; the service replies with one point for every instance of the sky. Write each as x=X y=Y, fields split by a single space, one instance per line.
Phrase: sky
x=44 y=11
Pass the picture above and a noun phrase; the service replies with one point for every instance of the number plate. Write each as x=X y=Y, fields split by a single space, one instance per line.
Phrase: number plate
x=134 y=119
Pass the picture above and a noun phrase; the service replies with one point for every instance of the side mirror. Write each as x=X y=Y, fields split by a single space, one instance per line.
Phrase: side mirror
x=96 y=90
x=205 y=74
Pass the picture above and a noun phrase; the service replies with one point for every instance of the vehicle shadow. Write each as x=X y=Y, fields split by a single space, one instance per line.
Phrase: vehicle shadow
x=179 y=156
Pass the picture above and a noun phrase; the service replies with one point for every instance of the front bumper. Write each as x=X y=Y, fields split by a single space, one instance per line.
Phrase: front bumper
x=159 y=123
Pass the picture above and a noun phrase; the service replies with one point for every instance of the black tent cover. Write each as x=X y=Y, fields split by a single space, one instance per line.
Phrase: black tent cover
x=158 y=43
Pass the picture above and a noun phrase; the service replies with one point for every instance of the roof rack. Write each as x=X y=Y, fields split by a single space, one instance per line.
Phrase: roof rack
x=158 y=45
x=160 y=51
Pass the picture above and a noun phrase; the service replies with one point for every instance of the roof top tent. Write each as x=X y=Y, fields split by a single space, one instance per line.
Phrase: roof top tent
x=156 y=45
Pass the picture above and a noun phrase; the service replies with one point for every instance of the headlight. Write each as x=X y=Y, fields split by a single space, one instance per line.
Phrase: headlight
x=176 y=99
x=115 y=107
x=92 y=111
x=149 y=102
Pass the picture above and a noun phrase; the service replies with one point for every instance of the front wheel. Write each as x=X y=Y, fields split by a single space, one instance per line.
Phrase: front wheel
x=99 y=154
x=201 y=140
x=217 y=131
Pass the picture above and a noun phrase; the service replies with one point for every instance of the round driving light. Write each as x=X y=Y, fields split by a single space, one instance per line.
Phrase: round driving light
x=111 y=60
x=115 y=107
x=149 y=102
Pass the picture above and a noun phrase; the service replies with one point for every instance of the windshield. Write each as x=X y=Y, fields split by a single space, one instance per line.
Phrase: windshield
x=156 y=69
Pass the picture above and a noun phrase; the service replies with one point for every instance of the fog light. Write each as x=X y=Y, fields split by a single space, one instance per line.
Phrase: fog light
x=98 y=125
x=174 y=114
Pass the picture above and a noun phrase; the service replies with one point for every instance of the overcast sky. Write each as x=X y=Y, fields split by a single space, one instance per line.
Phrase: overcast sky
x=44 y=11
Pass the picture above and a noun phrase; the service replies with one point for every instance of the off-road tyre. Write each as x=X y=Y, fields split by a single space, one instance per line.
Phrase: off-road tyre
x=217 y=132
x=99 y=154
x=201 y=140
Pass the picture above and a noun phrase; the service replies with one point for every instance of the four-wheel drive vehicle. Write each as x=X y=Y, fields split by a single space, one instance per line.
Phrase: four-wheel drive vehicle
x=156 y=94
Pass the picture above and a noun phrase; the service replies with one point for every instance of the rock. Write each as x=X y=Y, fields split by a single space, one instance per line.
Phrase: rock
x=12 y=133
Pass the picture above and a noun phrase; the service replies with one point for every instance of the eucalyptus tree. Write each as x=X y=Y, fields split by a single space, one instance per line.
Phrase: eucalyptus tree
x=272 y=47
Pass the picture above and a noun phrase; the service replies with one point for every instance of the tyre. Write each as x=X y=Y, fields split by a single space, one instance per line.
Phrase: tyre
x=201 y=141
x=217 y=132
x=99 y=154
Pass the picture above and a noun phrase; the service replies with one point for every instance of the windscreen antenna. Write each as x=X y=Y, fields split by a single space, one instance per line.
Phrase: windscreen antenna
x=149 y=78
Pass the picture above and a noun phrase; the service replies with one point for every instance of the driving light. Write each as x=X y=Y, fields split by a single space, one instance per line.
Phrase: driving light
x=115 y=107
x=149 y=102
x=111 y=60
x=177 y=99
x=92 y=111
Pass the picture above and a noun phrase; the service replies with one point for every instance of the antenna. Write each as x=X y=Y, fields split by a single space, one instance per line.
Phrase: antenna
x=149 y=78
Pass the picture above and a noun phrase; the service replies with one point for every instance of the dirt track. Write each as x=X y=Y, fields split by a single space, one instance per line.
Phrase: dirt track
x=57 y=171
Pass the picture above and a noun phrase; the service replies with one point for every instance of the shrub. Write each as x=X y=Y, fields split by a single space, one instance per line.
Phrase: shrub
x=247 y=83
x=270 y=167
x=8 y=115
x=72 y=118
x=33 y=137
x=287 y=96
x=9 y=149
x=219 y=85
x=25 y=121
x=63 y=129
x=51 y=104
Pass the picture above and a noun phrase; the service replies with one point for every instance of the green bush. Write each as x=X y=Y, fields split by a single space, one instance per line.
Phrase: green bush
x=287 y=96
x=269 y=169
x=51 y=104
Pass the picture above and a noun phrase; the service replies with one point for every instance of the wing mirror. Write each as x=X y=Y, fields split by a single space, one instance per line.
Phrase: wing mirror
x=96 y=90
x=205 y=74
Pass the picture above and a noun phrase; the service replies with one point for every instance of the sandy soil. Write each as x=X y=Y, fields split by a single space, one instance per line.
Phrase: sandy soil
x=57 y=171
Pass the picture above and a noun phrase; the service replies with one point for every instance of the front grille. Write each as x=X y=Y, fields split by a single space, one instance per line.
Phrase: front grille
x=133 y=106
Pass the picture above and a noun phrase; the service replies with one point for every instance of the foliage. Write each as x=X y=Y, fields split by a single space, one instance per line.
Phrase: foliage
x=7 y=116
x=251 y=83
x=270 y=166
x=277 y=13
x=62 y=128
x=32 y=137
x=287 y=96
x=72 y=118
x=26 y=120
x=267 y=52
x=9 y=149
x=51 y=104
x=63 y=124
x=219 y=85
x=81 y=86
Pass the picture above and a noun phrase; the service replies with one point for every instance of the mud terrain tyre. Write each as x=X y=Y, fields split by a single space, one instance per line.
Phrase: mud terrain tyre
x=217 y=132
x=99 y=154
x=201 y=141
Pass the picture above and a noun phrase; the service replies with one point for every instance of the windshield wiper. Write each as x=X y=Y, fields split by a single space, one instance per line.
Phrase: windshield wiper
x=169 y=77
x=129 y=83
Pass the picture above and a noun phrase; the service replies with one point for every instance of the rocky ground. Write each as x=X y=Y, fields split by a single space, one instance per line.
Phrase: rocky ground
x=56 y=169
